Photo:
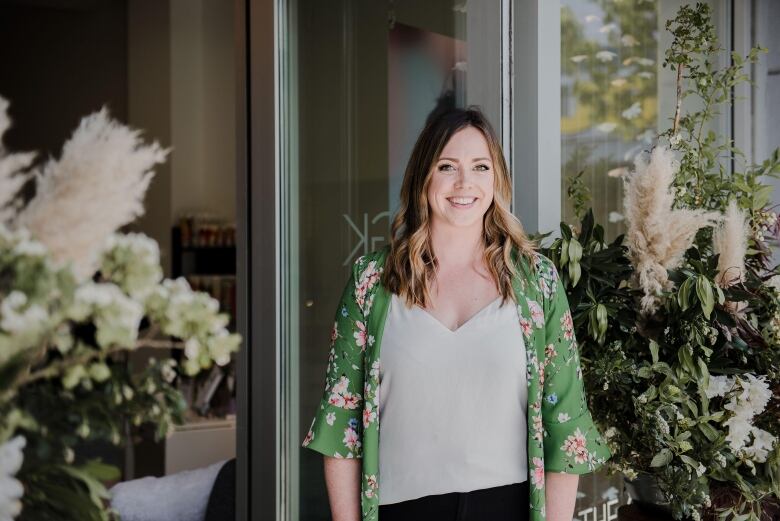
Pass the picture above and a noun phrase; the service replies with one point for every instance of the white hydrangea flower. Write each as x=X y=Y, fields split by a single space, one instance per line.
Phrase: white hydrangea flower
x=719 y=385
x=750 y=397
x=763 y=443
x=132 y=261
x=11 y=490
x=15 y=319
x=117 y=317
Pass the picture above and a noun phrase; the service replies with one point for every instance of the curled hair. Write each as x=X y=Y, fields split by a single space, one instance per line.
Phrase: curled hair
x=411 y=264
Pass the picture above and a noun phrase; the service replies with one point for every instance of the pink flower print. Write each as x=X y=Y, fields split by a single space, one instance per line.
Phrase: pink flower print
x=537 y=315
x=371 y=485
x=360 y=335
x=334 y=332
x=550 y=352
x=538 y=428
x=351 y=401
x=341 y=386
x=369 y=415
x=308 y=438
x=368 y=277
x=336 y=400
x=541 y=375
x=544 y=286
x=576 y=445
x=351 y=438
x=526 y=327
x=537 y=474
x=330 y=418
x=567 y=325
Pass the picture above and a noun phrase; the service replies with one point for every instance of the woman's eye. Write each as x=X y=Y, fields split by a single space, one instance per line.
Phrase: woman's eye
x=445 y=167
x=483 y=168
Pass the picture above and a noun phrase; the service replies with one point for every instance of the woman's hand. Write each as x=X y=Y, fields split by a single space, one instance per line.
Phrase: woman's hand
x=560 y=495
x=342 y=478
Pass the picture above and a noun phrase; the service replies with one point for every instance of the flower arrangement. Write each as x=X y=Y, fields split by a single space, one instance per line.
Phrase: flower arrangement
x=678 y=319
x=75 y=297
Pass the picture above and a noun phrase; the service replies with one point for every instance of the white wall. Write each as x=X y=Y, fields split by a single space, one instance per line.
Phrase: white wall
x=202 y=108
x=181 y=92
x=149 y=108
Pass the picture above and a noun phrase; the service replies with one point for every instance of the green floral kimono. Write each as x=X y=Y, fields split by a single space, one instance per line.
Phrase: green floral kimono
x=561 y=434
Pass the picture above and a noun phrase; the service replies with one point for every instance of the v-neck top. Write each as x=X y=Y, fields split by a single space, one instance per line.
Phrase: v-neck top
x=452 y=417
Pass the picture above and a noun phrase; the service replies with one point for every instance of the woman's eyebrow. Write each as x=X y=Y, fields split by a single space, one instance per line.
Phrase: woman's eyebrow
x=456 y=161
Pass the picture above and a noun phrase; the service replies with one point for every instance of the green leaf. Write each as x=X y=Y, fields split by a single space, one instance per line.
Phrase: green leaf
x=689 y=461
x=575 y=270
x=101 y=471
x=706 y=298
x=565 y=231
x=686 y=360
x=683 y=296
x=654 y=350
x=663 y=458
x=709 y=431
x=761 y=196
x=575 y=251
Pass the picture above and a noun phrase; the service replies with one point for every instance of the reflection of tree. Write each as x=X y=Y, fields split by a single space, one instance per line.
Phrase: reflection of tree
x=608 y=67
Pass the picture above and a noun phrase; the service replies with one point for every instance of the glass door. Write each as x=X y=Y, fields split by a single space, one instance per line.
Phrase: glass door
x=358 y=81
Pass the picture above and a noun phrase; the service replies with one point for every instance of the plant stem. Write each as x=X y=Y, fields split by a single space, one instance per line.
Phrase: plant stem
x=679 y=99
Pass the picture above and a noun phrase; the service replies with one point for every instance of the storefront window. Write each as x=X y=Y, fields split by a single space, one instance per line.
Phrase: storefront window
x=615 y=95
x=360 y=80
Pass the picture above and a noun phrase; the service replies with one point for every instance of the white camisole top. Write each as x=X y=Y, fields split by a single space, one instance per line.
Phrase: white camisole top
x=452 y=413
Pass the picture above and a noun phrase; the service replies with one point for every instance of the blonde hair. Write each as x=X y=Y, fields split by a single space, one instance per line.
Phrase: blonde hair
x=411 y=264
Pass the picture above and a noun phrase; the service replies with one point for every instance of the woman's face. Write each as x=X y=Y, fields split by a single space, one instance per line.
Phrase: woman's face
x=461 y=186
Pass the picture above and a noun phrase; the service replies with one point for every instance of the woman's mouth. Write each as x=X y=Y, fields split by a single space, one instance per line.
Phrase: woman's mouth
x=462 y=202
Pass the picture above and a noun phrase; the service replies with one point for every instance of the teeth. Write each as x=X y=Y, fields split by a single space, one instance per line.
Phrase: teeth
x=463 y=200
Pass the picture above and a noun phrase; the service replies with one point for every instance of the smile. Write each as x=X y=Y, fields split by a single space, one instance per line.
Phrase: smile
x=462 y=202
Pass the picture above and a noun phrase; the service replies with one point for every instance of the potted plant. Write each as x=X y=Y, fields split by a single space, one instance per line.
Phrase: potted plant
x=678 y=320
x=75 y=297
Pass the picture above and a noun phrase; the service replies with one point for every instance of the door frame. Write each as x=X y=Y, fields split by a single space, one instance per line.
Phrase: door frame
x=257 y=293
x=528 y=101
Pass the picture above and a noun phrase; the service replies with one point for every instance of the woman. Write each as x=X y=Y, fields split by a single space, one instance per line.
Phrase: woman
x=482 y=404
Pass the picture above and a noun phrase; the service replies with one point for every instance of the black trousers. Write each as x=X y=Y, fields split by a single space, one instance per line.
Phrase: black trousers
x=504 y=503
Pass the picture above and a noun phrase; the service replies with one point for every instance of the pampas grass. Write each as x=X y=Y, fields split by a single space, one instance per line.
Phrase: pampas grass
x=94 y=188
x=730 y=242
x=13 y=170
x=657 y=235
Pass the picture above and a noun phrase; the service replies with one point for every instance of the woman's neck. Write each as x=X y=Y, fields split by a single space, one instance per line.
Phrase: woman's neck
x=456 y=246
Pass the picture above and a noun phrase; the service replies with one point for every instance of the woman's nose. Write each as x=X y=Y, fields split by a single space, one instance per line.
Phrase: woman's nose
x=462 y=178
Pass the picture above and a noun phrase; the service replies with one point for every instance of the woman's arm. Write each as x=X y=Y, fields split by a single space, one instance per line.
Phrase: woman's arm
x=342 y=479
x=560 y=495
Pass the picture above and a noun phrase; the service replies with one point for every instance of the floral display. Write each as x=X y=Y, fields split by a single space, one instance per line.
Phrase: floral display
x=677 y=319
x=76 y=296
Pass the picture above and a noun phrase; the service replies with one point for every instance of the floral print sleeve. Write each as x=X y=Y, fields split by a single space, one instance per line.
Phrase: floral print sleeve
x=572 y=443
x=336 y=429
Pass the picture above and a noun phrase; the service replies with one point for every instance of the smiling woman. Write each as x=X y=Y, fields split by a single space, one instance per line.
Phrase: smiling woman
x=478 y=413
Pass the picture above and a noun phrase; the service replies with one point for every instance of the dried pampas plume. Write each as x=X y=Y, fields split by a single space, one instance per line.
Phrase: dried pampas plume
x=657 y=235
x=13 y=169
x=97 y=186
x=730 y=241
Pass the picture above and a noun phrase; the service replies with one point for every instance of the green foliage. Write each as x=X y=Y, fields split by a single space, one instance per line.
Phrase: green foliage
x=653 y=381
